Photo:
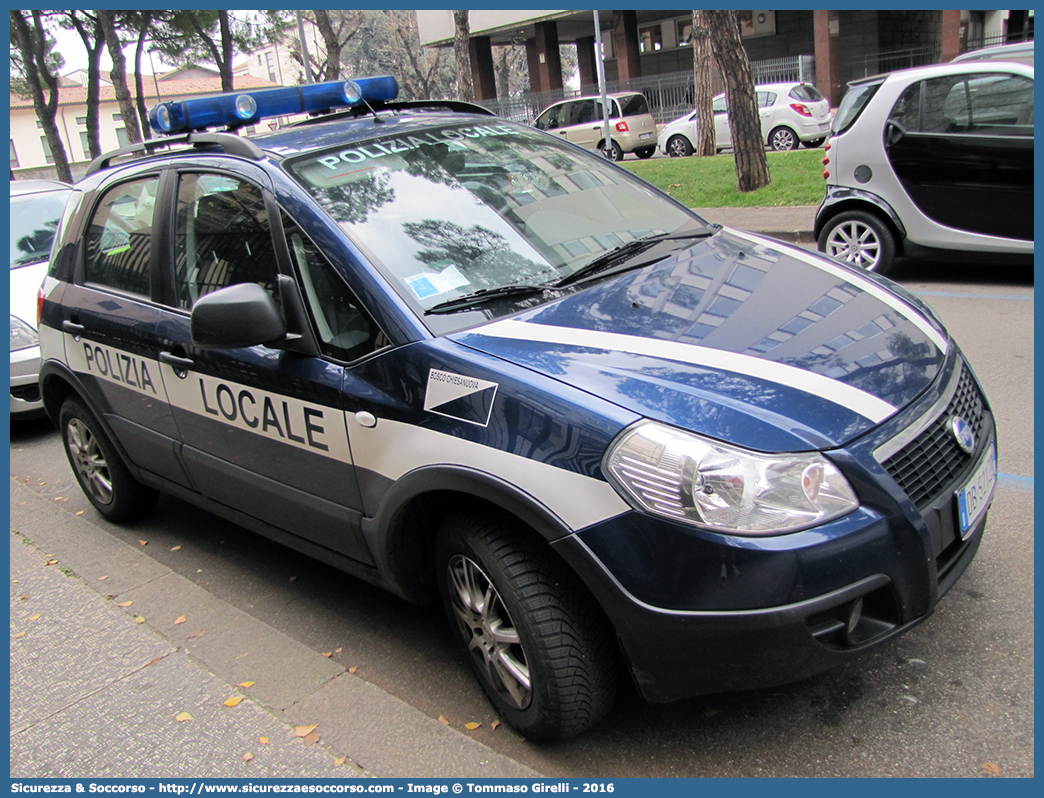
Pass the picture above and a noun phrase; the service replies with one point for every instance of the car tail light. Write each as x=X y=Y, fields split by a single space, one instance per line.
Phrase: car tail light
x=39 y=306
x=826 y=175
x=801 y=108
x=826 y=161
x=621 y=127
x=826 y=146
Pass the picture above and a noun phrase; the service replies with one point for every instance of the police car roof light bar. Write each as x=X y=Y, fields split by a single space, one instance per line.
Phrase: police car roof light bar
x=247 y=108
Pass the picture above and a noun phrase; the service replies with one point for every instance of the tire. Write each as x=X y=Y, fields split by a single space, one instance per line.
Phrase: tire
x=813 y=143
x=645 y=152
x=860 y=238
x=99 y=469
x=679 y=147
x=616 y=153
x=783 y=139
x=535 y=639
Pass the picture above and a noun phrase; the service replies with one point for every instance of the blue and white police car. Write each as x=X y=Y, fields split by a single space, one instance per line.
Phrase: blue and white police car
x=467 y=361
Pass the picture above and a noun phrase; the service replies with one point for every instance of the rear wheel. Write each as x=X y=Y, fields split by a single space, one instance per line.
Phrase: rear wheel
x=783 y=139
x=615 y=152
x=531 y=633
x=813 y=143
x=99 y=469
x=860 y=238
x=679 y=147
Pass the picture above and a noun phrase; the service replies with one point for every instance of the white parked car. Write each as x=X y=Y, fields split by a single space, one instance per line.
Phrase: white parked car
x=790 y=113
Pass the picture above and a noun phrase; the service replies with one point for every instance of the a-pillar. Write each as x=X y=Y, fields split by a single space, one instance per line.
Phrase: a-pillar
x=483 y=76
x=827 y=30
x=625 y=37
x=951 y=35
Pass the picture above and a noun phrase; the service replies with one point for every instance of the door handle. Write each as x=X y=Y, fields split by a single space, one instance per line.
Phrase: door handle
x=179 y=363
x=73 y=328
x=895 y=133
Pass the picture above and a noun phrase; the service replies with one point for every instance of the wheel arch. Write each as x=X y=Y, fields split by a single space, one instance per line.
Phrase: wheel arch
x=839 y=200
x=401 y=534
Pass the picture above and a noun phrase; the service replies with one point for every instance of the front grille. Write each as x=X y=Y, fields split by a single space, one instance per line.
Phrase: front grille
x=926 y=465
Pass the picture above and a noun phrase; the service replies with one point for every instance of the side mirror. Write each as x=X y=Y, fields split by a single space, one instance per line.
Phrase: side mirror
x=237 y=316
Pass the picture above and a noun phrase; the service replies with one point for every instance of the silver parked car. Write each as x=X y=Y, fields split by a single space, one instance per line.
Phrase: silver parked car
x=933 y=162
x=36 y=207
x=791 y=114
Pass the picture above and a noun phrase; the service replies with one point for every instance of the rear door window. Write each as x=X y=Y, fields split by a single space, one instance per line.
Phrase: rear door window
x=119 y=238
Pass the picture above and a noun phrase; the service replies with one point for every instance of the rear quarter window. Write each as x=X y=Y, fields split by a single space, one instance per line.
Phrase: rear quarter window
x=634 y=105
x=855 y=100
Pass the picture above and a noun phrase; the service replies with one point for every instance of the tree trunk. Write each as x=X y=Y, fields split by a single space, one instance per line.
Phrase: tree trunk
x=332 y=42
x=139 y=87
x=752 y=170
x=94 y=46
x=32 y=46
x=462 y=52
x=119 y=77
x=706 y=143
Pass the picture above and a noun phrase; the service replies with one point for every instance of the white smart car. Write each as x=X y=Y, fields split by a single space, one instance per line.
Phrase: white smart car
x=791 y=113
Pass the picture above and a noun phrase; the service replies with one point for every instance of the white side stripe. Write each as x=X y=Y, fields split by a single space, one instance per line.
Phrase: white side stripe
x=839 y=393
x=878 y=293
x=392 y=449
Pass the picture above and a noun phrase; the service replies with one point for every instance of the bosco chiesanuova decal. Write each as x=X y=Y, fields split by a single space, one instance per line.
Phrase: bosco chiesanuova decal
x=464 y=398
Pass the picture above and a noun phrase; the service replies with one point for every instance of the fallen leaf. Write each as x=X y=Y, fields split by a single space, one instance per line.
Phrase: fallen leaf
x=304 y=731
x=23 y=598
x=494 y=724
x=443 y=720
x=200 y=633
x=338 y=650
x=245 y=684
x=124 y=603
x=233 y=701
x=328 y=654
x=20 y=634
x=52 y=562
x=176 y=548
x=247 y=756
x=353 y=669
x=265 y=741
x=143 y=542
x=293 y=578
x=183 y=717
x=339 y=760
x=152 y=662
x=34 y=617
x=472 y=726
x=179 y=619
x=991 y=768
x=139 y=619
x=14 y=581
x=309 y=739
x=102 y=578
x=79 y=512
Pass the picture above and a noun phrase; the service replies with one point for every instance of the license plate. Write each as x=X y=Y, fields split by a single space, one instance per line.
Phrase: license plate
x=644 y=136
x=824 y=125
x=974 y=497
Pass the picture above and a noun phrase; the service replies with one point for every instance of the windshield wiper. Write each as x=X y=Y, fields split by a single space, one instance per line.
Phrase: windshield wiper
x=485 y=294
x=625 y=251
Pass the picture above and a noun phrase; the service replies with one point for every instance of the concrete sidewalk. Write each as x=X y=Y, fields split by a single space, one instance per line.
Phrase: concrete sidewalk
x=791 y=223
x=95 y=692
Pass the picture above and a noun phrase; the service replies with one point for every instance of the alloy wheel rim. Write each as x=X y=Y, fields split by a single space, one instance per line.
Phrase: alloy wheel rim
x=89 y=461
x=855 y=243
x=489 y=631
x=783 y=140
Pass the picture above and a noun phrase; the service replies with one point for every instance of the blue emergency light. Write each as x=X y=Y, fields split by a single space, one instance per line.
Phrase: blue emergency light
x=248 y=108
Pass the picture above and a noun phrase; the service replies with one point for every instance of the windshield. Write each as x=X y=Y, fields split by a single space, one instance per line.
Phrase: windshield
x=34 y=219
x=459 y=209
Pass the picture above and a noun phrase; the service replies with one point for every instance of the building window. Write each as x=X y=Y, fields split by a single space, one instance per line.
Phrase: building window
x=81 y=120
x=270 y=58
x=757 y=23
x=684 y=32
x=48 y=155
x=121 y=136
x=117 y=117
x=85 y=144
x=651 y=39
x=14 y=156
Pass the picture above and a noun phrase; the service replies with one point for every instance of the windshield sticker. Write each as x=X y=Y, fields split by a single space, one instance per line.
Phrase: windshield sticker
x=428 y=284
x=463 y=398
x=455 y=137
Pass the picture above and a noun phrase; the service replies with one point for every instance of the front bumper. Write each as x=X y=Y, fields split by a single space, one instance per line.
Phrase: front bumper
x=25 y=382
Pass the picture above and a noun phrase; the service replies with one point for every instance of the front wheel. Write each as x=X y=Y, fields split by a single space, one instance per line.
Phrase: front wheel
x=645 y=152
x=860 y=238
x=99 y=469
x=615 y=152
x=783 y=139
x=533 y=636
x=679 y=147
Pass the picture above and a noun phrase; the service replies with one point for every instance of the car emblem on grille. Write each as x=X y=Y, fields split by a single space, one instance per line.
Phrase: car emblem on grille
x=963 y=434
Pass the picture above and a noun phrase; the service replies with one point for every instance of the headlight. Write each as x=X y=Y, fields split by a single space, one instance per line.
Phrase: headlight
x=22 y=335
x=688 y=478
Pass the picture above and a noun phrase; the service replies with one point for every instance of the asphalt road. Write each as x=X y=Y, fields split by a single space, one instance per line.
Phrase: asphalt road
x=953 y=697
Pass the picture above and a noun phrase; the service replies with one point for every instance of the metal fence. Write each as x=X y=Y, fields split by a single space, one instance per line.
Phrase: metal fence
x=998 y=39
x=670 y=95
x=890 y=60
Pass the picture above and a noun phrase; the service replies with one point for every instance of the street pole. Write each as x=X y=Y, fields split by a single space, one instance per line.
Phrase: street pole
x=304 y=48
x=607 y=150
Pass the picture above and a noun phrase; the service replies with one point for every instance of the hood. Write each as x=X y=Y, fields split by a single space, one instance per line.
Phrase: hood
x=740 y=338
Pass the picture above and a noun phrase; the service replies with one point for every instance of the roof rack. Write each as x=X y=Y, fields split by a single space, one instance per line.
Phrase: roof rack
x=456 y=106
x=227 y=142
